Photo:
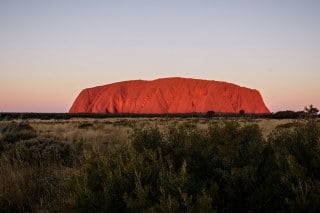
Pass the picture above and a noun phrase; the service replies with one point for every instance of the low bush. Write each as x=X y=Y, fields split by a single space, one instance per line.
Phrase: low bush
x=15 y=131
x=225 y=168
x=41 y=151
x=123 y=122
x=25 y=188
x=85 y=125
x=289 y=125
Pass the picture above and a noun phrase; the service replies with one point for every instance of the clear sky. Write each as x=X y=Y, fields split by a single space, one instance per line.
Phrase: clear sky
x=51 y=49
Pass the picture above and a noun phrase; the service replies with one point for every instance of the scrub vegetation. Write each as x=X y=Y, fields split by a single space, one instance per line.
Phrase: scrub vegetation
x=160 y=165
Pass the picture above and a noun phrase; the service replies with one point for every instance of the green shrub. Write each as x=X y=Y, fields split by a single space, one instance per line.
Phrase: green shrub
x=41 y=151
x=145 y=139
x=123 y=122
x=108 y=122
x=288 y=125
x=227 y=167
x=85 y=125
x=31 y=188
x=15 y=131
x=182 y=168
x=294 y=165
x=210 y=114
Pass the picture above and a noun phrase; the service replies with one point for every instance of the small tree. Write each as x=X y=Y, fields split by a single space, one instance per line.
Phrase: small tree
x=241 y=112
x=210 y=114
x=311 y=110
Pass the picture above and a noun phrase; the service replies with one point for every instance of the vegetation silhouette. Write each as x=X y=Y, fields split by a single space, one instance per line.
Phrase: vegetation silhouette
x=227 y=166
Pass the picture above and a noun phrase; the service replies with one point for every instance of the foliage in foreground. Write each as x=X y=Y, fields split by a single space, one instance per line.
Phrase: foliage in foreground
x=32 y=169
x=225 y=168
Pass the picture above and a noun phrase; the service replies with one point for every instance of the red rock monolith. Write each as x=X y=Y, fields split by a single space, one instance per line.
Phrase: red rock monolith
x=169 y=95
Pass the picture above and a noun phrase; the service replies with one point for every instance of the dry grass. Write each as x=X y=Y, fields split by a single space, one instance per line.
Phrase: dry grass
x=267 y=125
x=117 y=130
x=26 y=184
x=22 y=185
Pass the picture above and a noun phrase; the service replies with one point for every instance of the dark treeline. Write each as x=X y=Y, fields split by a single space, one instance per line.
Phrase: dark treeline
x=211 y=114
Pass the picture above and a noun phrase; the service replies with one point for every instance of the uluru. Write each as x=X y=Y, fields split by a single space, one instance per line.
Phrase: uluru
x=169 y=95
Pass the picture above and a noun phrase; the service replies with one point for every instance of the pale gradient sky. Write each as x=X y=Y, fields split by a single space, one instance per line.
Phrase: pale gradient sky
x=51 y=49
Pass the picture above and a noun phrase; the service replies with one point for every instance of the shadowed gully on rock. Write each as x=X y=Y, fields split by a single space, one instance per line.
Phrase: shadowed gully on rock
x=169 y=95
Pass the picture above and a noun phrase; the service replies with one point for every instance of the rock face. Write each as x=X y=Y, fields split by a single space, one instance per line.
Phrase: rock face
x=169 y=95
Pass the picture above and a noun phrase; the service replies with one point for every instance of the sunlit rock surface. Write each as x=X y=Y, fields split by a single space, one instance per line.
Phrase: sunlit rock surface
x=169 y=95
